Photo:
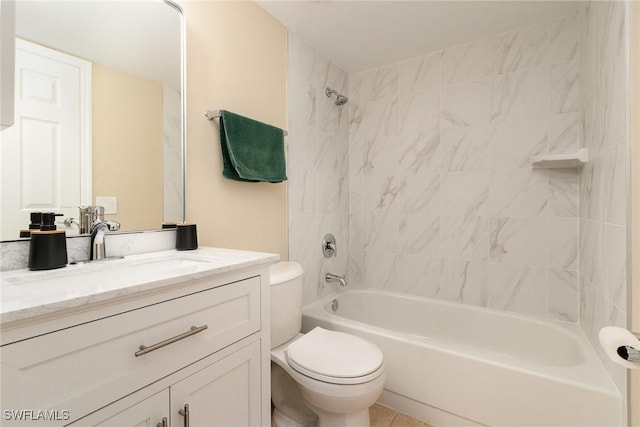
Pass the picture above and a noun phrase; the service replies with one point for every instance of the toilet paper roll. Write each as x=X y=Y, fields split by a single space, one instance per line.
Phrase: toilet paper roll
x=611 y=338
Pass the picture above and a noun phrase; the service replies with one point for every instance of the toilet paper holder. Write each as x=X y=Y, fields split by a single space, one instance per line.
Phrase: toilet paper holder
x=630 y=354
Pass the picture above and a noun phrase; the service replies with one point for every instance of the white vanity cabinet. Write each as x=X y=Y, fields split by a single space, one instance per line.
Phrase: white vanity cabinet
x=142 y=357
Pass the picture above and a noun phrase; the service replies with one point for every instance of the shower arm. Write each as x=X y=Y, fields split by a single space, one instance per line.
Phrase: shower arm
x=328 y=91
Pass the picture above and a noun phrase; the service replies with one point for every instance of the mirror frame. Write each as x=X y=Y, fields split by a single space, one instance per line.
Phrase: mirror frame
x=183 y=101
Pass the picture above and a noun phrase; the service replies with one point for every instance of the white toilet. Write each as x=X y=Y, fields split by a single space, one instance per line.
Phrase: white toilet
x=323 y=377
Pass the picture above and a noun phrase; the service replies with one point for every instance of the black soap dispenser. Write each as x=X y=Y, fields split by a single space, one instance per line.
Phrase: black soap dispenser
x=36 y=222
x=48 y=246
x=49 y=221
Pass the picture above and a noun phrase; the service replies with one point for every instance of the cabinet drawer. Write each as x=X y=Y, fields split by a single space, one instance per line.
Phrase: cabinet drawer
x=81 y=367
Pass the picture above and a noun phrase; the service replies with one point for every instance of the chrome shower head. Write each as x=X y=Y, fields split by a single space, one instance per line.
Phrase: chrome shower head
x=340 y=99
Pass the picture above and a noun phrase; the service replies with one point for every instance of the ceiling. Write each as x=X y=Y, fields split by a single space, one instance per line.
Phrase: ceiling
x=359 y=35
x=140 y=37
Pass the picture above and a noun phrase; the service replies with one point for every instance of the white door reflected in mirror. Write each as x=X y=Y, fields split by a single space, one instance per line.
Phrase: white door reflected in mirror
x=46 y=155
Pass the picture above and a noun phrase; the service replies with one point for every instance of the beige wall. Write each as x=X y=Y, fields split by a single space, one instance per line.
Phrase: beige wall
x=127 y=146
x=634 y=392
x=236 y=60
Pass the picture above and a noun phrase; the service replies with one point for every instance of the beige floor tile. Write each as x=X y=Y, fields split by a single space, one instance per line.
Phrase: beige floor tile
x=402 y=420
x=381 y=416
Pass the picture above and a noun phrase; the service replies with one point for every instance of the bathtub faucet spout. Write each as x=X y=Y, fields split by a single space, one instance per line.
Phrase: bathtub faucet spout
x=330 y=277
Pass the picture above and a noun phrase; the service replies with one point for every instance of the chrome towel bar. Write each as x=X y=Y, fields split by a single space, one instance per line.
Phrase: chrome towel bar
x=214 y=114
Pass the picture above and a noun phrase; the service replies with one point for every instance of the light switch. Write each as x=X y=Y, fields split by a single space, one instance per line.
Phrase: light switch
x=110 y=204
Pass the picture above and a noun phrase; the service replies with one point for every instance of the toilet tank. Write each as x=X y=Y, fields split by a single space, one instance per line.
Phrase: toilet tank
x=286 y=301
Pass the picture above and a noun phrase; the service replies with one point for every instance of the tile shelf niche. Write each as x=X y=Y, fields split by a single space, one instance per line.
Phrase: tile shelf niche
x=555 y=161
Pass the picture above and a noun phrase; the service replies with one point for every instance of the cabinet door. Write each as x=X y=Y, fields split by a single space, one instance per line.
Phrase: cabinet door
x=226 y=393
x=147 y=413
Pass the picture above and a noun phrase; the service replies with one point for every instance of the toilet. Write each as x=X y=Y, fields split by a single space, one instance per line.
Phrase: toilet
x=324 y=378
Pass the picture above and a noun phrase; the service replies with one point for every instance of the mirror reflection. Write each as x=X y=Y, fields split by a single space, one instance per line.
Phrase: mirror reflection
x=98 y=114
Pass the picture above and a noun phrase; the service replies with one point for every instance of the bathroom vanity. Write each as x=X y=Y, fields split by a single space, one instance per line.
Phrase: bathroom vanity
x=168 y=338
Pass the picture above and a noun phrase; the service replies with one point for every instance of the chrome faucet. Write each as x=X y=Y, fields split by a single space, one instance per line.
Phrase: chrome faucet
x=330 y=277
x=98 y=229
x=97 y=241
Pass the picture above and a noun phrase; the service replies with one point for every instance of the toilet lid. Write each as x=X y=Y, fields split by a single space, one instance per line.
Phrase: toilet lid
x=334 y=357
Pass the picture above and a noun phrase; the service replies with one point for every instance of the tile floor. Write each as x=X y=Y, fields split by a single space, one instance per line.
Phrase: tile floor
x=381 y=416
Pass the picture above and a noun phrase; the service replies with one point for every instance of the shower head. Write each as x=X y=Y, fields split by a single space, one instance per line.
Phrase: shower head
x=340 y=99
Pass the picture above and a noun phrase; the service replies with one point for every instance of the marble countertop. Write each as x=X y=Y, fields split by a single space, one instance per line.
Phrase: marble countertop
x=25 y=294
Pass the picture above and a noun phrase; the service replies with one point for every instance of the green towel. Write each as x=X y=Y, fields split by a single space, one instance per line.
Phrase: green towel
x=251 y=151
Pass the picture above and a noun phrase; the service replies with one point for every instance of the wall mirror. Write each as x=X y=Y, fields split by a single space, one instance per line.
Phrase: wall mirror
x=99 y=113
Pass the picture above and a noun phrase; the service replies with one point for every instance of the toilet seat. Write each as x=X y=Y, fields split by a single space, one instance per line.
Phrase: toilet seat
x=334 y=357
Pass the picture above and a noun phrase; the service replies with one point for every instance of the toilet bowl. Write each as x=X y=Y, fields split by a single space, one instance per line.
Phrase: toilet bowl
x=324 y=378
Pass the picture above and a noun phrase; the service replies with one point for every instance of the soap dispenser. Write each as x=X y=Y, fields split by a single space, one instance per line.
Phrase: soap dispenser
x=36 y=222
x=49 y=221
x=48 y=246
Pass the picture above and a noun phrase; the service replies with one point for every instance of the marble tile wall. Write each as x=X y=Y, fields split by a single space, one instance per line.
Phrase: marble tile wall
x=317 y=165
x=173 y=192
x=603 y=192
x=443 y=201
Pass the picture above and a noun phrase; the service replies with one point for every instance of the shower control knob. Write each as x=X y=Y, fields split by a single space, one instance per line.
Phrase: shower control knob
x=329 y=246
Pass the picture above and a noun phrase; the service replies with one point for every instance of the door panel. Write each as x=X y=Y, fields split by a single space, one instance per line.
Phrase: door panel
x=42 y=154
x=226 y=393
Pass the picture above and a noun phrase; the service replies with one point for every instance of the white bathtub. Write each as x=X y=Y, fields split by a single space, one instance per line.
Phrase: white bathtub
x=454 y=364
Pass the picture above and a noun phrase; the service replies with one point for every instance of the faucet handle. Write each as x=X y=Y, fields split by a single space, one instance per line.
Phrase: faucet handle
x=329 y=248
x=70 y=222
x=112 y=225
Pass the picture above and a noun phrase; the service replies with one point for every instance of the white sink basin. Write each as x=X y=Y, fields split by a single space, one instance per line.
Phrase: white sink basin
x=111 y=271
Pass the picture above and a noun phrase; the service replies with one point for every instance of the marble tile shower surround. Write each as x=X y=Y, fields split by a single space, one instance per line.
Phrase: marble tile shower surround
x=443 y=200
x=603 y=193
x=317 y=165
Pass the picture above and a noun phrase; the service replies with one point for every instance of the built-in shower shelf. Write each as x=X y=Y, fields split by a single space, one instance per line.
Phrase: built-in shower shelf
x=555 y=161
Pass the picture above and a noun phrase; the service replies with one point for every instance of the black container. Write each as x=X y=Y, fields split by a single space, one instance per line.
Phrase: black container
x=47 y=250
x=166 y=225
x=186 y=237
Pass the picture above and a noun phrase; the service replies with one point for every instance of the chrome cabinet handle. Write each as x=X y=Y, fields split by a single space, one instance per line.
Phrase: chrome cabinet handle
x=164 y=423
x=194 y=330
x=185 y=413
